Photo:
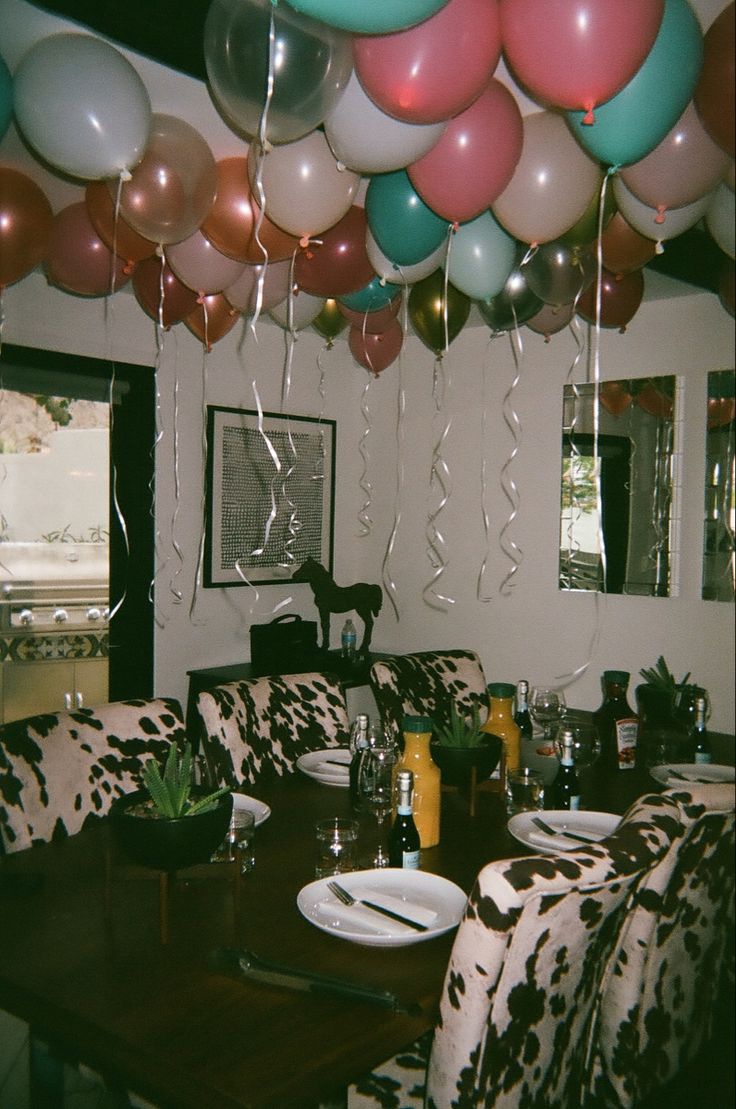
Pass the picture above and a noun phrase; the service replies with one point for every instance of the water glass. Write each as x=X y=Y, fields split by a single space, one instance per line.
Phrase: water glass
x=238 y=845
x=336 y=843
x=524 y=791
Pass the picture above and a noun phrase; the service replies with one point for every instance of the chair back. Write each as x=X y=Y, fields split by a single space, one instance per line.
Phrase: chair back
x=519 y=1006
x=259 y=727
x=60 y=770
x=676 y=953
x=428 y=683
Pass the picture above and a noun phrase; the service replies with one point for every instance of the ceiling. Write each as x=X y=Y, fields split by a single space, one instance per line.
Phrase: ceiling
x=164 y=39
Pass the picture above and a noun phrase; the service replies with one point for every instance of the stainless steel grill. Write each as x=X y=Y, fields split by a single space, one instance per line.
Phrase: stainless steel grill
x=44 y=589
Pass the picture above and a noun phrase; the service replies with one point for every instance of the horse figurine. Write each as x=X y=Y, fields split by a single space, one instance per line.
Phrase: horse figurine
x=364 y=599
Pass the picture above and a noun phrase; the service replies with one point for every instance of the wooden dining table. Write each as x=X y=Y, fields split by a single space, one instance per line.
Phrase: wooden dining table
x=81 y=957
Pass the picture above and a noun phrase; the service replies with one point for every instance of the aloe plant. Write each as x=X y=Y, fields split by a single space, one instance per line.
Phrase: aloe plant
x=462 y=731
x=661 y=677
x=171 y=793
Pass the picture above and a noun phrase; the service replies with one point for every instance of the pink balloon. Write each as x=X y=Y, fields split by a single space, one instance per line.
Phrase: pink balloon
x=201 y=266
x=212 y=319
x=161 y=294
x=78 y=260
x=338 y=264
x=243 y=293
x=372 y=322
x=474 y=160
x=376 y=351
x=577 y=53
x=550 y=319
x=683 y=167
x=432 y=71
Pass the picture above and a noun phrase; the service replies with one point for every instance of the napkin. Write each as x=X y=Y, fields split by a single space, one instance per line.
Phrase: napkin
x=332 y=769
x=365 y=917
x=541 y=839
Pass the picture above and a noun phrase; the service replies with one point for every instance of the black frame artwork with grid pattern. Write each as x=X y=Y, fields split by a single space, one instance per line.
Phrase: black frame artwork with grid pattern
x=270 y=495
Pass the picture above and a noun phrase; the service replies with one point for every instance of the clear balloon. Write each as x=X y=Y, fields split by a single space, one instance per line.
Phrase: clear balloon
x=82 y=106
x=623 y=248
x=212 y=319
x=552 y=185
x=243 y=293
x=161 y=294
x=6 y=97
x=26 y=219
x=373 y=322
x=513 y=306
x=297 y=311
x=365 y=139
x=474 y=160
x=652 y=223
x=369 y=16
x=376 y=351
x=77 y=260
x=577 y=54
x=235 y=224
x=338 y=263
x=306 y=191
x=438 y=311
x=114 y=231
x=715 y=95
x=550 y=319
x=481 y=258
x=720 y=219
x=198 y=264
x=558 y=274
x=172 y=189
x=330 y=321
x=311 y=66
x=404 y=227
x=434 y=70
x=620 y=298
x=403 y=275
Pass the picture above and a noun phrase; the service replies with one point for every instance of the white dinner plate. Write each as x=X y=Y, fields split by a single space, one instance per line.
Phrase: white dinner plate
x=321 y=765
x=595 y=825
x=427 y=898
x=260 y=809
x=693 y=772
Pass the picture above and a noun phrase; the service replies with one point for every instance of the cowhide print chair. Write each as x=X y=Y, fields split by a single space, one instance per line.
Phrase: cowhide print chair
x=259 y=727
x=60 y=770
x=428 y=683
x=519 y=1006
x=676 y=954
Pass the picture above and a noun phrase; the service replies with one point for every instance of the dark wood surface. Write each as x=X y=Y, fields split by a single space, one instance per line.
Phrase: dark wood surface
x=187 y=1037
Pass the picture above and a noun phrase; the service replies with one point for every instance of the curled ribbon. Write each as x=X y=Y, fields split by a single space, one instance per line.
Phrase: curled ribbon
x=439 y=476
x=508 y=545
x=364 y=518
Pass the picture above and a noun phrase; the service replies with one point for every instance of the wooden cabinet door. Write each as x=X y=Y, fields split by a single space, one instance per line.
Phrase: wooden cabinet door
x=33 y=687
x=90 y=682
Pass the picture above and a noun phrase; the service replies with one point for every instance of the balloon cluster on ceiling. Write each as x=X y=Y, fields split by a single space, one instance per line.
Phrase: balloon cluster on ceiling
x=467 y=200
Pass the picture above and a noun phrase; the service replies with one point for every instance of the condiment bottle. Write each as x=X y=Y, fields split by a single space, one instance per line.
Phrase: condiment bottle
x=617 y=723
x=418 y=758
x=403 y=840
x=501 y=721
x=565 y=790
x=521 y=713
x=701 y=742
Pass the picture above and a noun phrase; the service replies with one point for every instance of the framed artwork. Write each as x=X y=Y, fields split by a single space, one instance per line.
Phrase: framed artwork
x=270 y=495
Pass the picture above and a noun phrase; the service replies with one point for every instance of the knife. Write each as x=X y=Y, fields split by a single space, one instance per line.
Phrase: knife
x=243 y=963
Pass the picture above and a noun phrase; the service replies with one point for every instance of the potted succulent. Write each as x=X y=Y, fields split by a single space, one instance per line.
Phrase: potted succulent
x=171 y=822
x=462 y=745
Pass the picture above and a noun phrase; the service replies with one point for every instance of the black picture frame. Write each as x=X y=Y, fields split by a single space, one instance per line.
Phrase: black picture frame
x=270 y=495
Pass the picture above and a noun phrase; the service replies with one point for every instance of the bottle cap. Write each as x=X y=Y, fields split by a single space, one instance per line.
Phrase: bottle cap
x=418 y=724
x=618 y=677
x=405 y=779
x=501 y=689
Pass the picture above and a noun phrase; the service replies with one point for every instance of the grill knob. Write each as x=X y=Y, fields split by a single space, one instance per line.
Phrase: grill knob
x=25 y=616
x=93 y=614
x=60 y=616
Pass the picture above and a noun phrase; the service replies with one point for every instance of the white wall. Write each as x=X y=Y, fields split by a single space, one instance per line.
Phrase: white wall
x=531 y=630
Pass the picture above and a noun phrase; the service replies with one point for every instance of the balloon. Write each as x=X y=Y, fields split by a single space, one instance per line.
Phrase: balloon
x=404 y=275
x=6 y=97
x=115 y=232
x=615 y=396
x=369 y=16
x=721 y=410
x=637 y=118
x=202 y=267
x=586 y=228
x=243 y=293
x=338 y=263
x=623 y=248
x=311 y=66
x=404 y=228
x=552 y=185
x=77 y=260
x=376 y=294
x=652 y=223
x=82 y=106
x=481 y=258
x=212 y=319
x=714 y=94
x=376 y=351
x=720 y=219
x=372 y=322
x=437 y=319
x=683 y=167
x=474 y=160
x=514 y=305
x=297 y=311
x=26 y=219
x=654 y=400
x=161 y=294
x=330 y=321
x=620 y=299
x=550 y=319
x=173 y=188
x=558 y=274
x=367 y=140
x=306 y=191
x=579 y=53
x=233 y=220
x=434 y=70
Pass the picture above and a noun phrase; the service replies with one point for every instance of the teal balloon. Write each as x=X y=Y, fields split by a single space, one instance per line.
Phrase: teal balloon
x=6 y=98
x=369 y=17
x=482 y=256
x=371 y=297
x=405 y=229
x=629 y=125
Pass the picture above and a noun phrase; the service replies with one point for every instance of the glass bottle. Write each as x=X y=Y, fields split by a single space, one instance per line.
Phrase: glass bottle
x=501 y=721
x=701 y=743
x=617 y=723
x=348 y=640
x=358 y=750
x=521 y=714
x=565 y=789
x=418 y=758
x=403 y=840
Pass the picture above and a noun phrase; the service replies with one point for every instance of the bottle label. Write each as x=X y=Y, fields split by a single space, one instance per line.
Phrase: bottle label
x=627 y=734
x=702 y=756
x=574 y=803
x=410 y=860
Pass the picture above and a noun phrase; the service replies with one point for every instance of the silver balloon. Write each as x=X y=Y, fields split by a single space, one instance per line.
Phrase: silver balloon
x=559 y=273
x=309 y=67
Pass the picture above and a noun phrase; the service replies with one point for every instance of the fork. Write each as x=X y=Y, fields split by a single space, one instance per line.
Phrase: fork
x=348 y=899
x=550 y=831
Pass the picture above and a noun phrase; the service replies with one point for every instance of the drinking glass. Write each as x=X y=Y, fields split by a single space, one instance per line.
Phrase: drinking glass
x=381 y=761
x=586 y=745
x=336 y=843
x=524 y=791
x=547 y=707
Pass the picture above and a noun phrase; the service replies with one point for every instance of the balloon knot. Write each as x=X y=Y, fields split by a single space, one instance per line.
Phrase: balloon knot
x=547 y=338
x=659 y=248
x=455 y=226
x=304 y=242
x=341 y=167
x=160 y=250
x=382 y=282
x=309 y=254
x=659 y=218
x=622 y=330
x=588 y=118
x=128 y=268
x=618 y=277
x=125 y=175
x=200 y=298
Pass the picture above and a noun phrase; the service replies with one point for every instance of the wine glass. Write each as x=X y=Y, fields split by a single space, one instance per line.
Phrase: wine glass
x=586 y=745
x=381 y=759
x=547 y=707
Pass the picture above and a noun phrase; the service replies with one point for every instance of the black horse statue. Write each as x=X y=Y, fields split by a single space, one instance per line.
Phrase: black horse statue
x=364 y=599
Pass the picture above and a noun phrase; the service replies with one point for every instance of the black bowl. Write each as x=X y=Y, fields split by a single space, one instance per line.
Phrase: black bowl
x=456 y=763
x=169 y=844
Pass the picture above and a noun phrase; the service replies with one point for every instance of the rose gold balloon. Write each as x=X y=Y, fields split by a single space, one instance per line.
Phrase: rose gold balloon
x=26 y=219
x=113 y=230
x=161 y=294
x=655 y=402
x=243 y=293
x=78 y=261
x=624 y=249
x=615 y=396
x=714 y=95
x=372 y=322
x=211 y=319
x=232 y=220
x=376 y=352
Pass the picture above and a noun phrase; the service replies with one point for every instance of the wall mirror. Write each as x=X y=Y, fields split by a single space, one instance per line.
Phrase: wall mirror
x=719 y=569
x=615 y=516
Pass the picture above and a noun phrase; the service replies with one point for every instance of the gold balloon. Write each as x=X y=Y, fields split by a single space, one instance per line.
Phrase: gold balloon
x=330 y=321
x=427 y=311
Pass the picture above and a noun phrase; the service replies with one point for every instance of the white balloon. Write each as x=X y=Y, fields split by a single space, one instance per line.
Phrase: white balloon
x=403 y=275
x=297 y=312
x=720 y=219
x=367 y=140
x=644 y=219
x=82 y=106
x=481 y=258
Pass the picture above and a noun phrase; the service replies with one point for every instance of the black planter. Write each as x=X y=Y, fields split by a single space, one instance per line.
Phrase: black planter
x=169 y=844
x=456 y=763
